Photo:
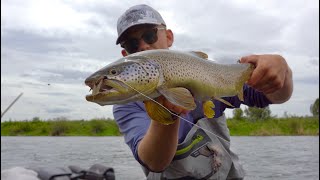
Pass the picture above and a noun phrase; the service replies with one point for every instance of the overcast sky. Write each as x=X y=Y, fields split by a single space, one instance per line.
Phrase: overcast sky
x=48 y=48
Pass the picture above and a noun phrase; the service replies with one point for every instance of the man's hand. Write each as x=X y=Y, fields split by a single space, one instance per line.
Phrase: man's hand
x=173 y=108
x=271 y=76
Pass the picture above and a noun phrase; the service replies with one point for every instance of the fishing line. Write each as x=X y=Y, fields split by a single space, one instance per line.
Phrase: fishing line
x=176 y=114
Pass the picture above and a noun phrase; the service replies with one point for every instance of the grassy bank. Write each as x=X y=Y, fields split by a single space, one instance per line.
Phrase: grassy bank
x=293 y=126
x=95 y=127
x=107 y=127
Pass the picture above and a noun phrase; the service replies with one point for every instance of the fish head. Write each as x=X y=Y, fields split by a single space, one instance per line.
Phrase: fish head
x=123 y=81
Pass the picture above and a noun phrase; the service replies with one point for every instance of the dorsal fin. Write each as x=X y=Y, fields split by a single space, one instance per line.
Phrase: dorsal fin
x=200 y=54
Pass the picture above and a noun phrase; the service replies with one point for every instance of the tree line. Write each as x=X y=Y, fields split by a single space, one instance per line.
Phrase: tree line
x=254 y=113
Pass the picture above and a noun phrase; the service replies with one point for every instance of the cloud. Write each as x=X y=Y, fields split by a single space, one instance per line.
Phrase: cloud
x=61 y=42
x=58 y=110
x=32 y=42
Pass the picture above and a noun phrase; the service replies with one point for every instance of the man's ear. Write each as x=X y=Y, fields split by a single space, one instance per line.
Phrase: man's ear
x=124 y=53
x=170 y=37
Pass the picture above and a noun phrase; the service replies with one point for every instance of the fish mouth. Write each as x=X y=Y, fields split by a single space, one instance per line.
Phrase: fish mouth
x=103 y=87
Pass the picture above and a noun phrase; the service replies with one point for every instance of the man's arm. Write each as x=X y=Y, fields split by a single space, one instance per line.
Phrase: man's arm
x=158 y=147
x=272 y=76
x=152 y=144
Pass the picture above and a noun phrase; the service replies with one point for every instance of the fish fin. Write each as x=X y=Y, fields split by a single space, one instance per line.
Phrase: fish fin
x=179 y=96
x=158 y=113
x=245 y=76
x=223 y=101
x=207 y=109
x=200 y=54
x=240 y=94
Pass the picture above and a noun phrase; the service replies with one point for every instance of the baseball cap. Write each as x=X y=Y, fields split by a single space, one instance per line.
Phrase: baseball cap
x=136 y=15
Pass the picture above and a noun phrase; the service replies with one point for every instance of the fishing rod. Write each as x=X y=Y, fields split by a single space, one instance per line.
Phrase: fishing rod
x=2 y=113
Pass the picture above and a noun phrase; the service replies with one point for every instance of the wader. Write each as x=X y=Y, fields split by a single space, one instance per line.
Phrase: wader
x=203 y=155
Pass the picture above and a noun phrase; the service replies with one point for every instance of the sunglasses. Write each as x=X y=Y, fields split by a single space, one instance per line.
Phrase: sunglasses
x=150 y=36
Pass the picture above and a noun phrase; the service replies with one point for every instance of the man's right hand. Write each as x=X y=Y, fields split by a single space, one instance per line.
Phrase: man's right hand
x=173 y=108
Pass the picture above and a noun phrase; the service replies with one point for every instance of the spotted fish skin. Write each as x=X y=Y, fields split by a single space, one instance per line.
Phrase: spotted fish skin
x=153 y=72
x=204 y=78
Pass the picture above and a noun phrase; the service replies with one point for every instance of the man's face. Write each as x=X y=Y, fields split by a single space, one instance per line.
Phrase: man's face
x=146 y=37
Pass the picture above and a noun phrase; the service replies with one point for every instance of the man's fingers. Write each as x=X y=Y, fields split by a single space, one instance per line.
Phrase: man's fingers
x=173 y=108
x=256 y=74
x=249 y=59
x=256 y=77
x=267 y=82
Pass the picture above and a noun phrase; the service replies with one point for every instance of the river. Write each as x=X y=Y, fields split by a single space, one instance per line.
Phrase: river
x=274 y=157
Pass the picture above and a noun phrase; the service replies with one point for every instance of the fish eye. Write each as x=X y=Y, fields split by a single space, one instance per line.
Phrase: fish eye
x=113 y=72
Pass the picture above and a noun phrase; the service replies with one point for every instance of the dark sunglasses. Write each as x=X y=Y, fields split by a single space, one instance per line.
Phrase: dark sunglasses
x=150 y=36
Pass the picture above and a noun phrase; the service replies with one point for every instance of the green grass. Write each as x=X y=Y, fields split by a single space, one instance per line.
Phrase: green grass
x=108 y=127
x=60 y=127
x=275 y=126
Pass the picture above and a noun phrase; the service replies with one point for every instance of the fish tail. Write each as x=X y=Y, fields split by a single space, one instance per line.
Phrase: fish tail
x=240 y=94
x=243 y=79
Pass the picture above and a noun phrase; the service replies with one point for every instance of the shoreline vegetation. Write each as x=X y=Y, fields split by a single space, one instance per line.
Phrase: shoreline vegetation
x=289 y=126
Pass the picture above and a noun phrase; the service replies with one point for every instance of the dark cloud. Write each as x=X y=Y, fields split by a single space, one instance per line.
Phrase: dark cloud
x=58 y=110
x=107 y=12
x=58 y=76
x=63 y=44
x=55 y=94
x=224 y=50
x=34 y=42
x=69 y=76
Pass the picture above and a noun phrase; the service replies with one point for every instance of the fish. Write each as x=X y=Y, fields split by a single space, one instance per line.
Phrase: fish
x=181 y=77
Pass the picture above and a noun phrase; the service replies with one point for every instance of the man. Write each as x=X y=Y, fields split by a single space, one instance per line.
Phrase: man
x=180 y=150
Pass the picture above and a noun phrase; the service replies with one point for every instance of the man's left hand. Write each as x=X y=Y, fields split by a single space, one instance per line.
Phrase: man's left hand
x=269 y=74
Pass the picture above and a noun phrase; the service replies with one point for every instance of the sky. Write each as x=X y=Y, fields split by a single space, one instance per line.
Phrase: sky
x=48 y=48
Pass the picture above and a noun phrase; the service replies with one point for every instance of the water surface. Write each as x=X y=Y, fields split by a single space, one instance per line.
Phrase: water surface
x=275 y=157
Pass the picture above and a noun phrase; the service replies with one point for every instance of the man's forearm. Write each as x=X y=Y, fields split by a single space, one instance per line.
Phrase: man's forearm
x=159 y=145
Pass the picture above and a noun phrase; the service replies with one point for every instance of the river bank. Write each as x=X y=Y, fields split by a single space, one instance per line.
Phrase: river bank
x=291 y=126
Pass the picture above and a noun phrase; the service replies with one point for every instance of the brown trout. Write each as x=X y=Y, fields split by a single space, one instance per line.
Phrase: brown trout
x=179 y=76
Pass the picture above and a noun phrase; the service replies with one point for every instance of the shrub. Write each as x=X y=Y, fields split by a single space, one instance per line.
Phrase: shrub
x=97 y=126
x=59 y=128
x=254 y=113
x=237 y=113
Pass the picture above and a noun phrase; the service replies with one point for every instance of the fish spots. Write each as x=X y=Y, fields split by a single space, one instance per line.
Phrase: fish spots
x=139 y=74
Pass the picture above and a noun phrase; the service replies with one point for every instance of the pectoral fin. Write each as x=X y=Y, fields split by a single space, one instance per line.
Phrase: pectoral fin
x=158 y=113
x=207 y=109
x=180 y=97
x=223 y=101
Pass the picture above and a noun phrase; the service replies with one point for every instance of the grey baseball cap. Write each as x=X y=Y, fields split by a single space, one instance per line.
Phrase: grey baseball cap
x=136 y=15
